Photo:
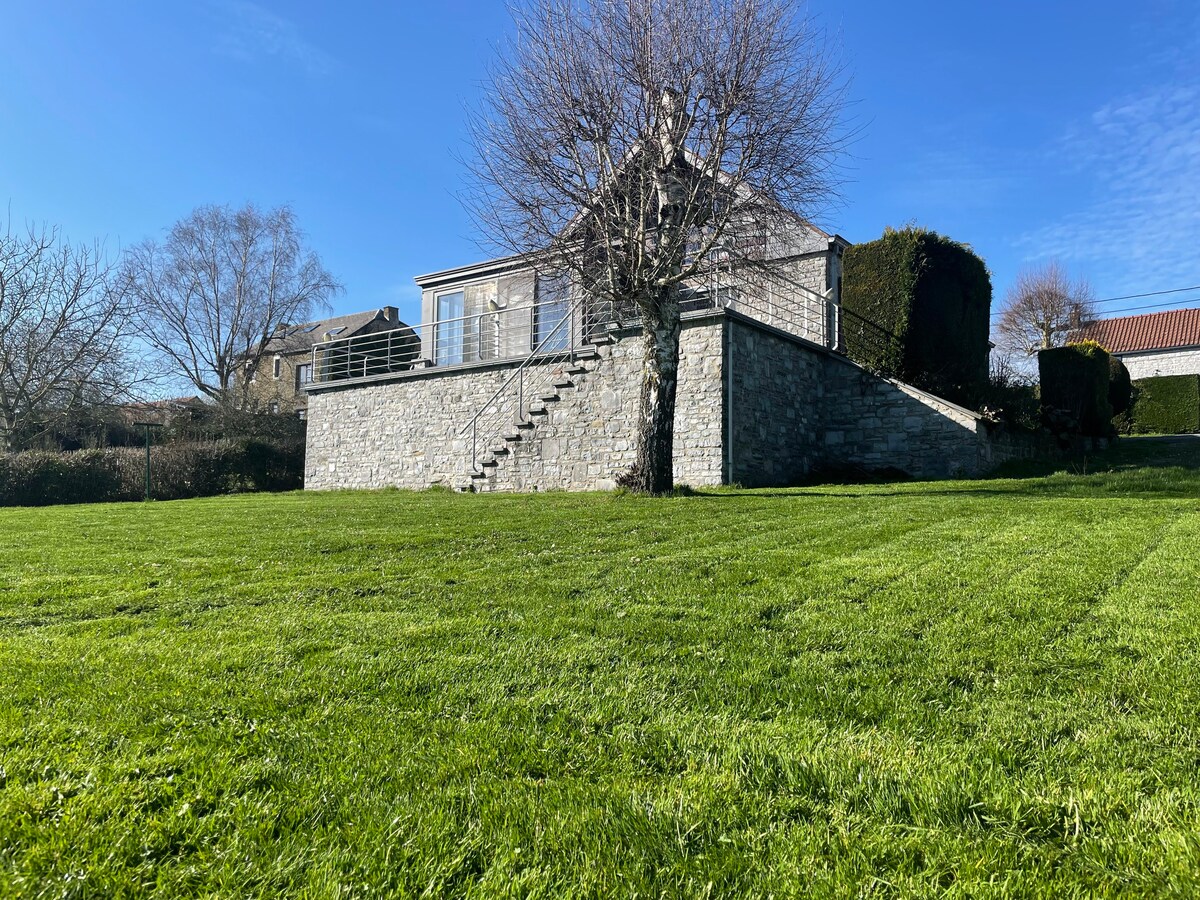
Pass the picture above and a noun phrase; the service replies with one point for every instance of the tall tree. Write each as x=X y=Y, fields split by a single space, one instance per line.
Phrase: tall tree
x=1043 y=307
x=639 y=143
x=218 y=286
x=63 y=324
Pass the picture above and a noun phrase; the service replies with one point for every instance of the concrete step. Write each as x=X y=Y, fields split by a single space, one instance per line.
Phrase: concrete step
x=489 y=462
x=562 y=382
x=513 y=436
x=537 y=408
x=499 y=451
x=576 y=370
x=549 y=397
x=526 y=425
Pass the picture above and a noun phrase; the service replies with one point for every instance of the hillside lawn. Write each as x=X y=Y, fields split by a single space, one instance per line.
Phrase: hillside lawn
x=974 y=688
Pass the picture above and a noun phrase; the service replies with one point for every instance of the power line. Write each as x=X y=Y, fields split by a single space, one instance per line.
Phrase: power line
x=1182 y=290
x=1195 y=287
x=1128 y=309
x=1174 y=303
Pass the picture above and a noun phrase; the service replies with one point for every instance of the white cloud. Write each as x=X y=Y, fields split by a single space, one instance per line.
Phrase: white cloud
x=1141 y=153
x=253 y=32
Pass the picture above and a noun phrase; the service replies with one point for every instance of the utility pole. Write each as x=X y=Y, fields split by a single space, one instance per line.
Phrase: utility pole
x=147 y=426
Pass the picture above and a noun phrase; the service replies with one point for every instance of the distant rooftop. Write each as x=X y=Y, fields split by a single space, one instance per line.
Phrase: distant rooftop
x=1168 y=330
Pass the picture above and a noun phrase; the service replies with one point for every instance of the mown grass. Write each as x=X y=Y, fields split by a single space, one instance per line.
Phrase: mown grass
x=979 y=688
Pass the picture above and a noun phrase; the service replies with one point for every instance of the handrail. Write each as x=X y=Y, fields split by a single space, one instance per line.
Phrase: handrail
x=538 y=354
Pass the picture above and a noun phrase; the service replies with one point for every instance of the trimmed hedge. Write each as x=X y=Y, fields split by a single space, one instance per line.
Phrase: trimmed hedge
x=1074 y=389
x=934 y=297
x=1164 y=404
x=1120 y=387
x=177 y=471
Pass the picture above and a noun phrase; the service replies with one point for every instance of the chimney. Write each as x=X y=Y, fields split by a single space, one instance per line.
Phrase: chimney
x=390 y=314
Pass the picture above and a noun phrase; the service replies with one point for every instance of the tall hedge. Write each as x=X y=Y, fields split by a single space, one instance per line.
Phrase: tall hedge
x=932 y=297
x=1166 y=404
x=1074 y=389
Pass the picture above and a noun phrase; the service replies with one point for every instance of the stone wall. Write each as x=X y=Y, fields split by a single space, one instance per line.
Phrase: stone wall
x=773 y=420
x=755 y=406
x=1170 y=362
x=405 y=431
x=876 y=423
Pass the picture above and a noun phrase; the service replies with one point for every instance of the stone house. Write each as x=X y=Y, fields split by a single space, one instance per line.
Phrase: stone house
x=1163 y=343
x=277 y=383
x=517 y=381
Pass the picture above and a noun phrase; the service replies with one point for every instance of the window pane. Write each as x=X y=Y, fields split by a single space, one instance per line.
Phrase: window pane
x=448 y=335
x=553 y=295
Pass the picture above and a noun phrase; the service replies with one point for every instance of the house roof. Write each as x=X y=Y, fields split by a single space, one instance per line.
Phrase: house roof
x=1168 y=330
x=301 y=337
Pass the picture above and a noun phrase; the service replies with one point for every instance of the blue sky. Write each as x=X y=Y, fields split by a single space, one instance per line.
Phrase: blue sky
x=1028 y=130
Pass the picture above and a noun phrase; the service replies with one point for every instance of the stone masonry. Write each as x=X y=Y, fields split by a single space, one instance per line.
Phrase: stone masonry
x=755 y=406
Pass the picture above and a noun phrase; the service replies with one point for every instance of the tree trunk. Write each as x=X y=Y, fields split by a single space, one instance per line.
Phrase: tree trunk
x=653 y=468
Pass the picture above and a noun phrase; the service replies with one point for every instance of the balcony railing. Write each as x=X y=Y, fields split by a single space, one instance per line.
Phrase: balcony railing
x=551 y=328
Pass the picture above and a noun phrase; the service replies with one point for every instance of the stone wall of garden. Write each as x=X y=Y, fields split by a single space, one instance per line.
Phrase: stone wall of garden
x=406 y=431
x=756 y=406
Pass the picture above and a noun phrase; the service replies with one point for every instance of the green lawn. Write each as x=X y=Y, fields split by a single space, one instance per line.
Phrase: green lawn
x=977 y=688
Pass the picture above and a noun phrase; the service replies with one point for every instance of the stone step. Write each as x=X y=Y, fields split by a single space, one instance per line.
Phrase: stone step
x=576 y=370
x=563 y=382
x=537 y=408
x=549 y=397
x=499 y=451
x=489 y=462
x=513 y=436
x=526 y=425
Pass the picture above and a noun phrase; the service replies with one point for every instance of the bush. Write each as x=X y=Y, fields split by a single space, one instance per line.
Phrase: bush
x=1074 y=389
x=178 y=471
x=1165 y=404
x=932 y=298
x=1120 y=387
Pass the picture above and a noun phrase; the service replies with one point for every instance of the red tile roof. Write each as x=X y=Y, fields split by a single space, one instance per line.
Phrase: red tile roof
x=1152 y=331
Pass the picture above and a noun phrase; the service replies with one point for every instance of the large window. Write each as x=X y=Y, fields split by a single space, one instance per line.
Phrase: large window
x=552 y=307
x=448 y=333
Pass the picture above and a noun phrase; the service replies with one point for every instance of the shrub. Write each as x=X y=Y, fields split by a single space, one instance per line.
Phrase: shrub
x=177 y=470
x=1120 y=387
x=1074 y=389
x=1165 y=404
x=932 y=299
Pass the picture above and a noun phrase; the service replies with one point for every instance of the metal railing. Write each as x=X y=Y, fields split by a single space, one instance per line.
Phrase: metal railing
x=515 y=333
x=498 y=334
x=506 y=406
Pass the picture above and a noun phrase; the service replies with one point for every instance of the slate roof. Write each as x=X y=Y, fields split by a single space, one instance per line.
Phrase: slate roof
x=301 y=337
x=1169 y=330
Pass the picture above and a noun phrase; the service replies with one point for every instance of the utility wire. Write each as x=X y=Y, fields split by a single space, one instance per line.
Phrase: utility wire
x=1128 y=309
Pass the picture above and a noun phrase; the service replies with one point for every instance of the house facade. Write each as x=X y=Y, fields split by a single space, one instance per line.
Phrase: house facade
x=517 y=381
x=1164 y=343
x=277 y=383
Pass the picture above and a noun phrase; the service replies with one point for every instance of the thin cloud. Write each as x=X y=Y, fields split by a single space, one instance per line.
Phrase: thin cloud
x=1142 y=153
x=253 y=32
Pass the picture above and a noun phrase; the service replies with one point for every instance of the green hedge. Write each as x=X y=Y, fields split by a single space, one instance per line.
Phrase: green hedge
x=1165 y=404
x=1074 y=389
x=933 y=296
x=178 y=471
x=1120 y=386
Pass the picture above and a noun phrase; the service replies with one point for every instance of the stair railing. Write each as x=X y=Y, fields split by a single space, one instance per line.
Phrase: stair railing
x=487 y=416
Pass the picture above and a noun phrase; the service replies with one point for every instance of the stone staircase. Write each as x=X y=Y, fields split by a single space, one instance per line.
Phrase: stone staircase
x=566 y=376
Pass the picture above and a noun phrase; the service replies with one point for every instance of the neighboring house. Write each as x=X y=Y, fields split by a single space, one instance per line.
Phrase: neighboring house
x=1164 y=343
x=516 y=380
x=277 y=384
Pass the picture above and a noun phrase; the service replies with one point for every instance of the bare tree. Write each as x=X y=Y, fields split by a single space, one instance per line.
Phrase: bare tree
x=217 y=287
x=1043 y=308
x=639 y=143
x=63 y=326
